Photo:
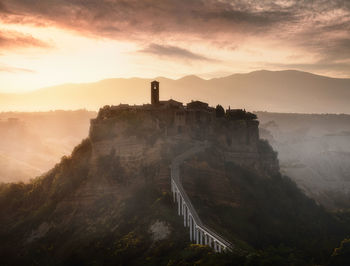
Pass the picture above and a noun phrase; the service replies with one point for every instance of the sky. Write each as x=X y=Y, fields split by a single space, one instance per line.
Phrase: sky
x=49 y=42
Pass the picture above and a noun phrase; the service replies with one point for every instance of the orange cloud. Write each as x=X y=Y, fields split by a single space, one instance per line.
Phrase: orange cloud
x=222 y=35
x=11 y=69
x=13 y=39
x=170 y=51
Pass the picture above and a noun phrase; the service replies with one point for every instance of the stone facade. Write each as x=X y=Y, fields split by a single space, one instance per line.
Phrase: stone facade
x=129 y=130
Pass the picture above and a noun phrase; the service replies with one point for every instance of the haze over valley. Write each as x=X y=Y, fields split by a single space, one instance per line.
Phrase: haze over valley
x=276 y=91
x=312 y=149
x=32 y=143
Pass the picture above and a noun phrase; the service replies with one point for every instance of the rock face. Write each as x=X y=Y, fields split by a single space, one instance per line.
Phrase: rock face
x=141 y=134
x=160 y=230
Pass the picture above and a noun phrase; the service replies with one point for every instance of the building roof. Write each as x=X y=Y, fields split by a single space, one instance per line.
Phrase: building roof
x=197 y=105
x=171 y=102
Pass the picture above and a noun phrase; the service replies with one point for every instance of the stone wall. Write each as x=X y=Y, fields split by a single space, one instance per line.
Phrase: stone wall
x=137 y=133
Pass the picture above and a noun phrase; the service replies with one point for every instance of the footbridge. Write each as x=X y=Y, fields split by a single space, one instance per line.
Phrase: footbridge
x=199 y=233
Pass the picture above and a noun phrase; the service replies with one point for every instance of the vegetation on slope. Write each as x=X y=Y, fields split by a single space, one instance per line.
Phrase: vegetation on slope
x=46 y=223
x=62 y=218
x=269 y=214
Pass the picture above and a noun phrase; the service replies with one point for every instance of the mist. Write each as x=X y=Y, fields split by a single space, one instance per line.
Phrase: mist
x=314 y=150
x=32 y=143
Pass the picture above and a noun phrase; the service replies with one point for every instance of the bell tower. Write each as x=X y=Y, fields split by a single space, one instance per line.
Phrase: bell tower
x=154 y=92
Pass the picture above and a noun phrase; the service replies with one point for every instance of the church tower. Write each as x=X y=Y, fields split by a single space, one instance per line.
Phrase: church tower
x=155 y=92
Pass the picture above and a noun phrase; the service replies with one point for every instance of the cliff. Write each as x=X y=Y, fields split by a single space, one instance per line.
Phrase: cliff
x=135 y=132
x=110 y=201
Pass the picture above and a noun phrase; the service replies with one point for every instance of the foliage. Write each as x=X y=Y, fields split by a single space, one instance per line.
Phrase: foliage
x=265 y=147
x=219 y=111
x=272 y=223
x=239 y=114
x=42 y=193
x=341 y=255
x=109 y=167
x=269 y=212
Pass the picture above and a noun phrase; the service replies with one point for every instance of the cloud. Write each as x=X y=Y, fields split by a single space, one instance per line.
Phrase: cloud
x=13 y=39
x=111 y=18
x=133 y=17
x=173 y=52
x=203 y=18
x=2 y=7
x=317 y=27
x=10 y=69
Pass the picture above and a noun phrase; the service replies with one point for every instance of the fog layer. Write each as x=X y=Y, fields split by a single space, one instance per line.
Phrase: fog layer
x=314 y=150
x=32 y=143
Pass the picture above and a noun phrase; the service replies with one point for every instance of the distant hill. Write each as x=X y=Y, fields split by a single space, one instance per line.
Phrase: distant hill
x=279 y=91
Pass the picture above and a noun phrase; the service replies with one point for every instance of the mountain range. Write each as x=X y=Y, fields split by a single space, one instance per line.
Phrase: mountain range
x=279 y=91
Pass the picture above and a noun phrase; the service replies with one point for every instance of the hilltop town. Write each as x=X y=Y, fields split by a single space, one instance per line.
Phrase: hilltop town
x=234 y=131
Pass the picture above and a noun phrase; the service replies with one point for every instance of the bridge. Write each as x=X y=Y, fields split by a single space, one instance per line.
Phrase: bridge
x=199 y=233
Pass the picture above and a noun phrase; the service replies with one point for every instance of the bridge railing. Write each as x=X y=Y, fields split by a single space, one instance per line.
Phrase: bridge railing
x=199 y=233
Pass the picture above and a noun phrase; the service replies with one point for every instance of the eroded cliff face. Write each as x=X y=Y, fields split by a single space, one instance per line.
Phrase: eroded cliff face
x=142 y=136
x=129 y=148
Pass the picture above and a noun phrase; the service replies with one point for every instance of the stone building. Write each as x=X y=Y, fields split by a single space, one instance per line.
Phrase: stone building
x=236 y=133
x=154 y=92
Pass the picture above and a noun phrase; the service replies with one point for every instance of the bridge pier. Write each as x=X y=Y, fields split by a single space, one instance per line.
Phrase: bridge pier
x=209 y=242
x=195 y=234
x=173 y=190
x=188 y=216
x=190 y=229
x=193 y=231
x=198 y=236
x=180 y=198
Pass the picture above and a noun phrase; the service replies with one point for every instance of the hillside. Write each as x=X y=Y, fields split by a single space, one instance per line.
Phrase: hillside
x=260 y=212
x=279 y=91
x=110 y=201
x=314 y=150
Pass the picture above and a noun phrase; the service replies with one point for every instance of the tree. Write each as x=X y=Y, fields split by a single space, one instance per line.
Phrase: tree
x=220 y=111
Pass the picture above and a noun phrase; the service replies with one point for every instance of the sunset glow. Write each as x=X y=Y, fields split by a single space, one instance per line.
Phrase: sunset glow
x=48 y=43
